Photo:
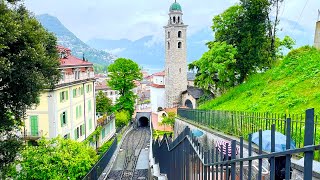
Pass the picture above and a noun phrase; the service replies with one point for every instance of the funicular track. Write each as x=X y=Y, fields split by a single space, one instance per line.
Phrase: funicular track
x=132 y=145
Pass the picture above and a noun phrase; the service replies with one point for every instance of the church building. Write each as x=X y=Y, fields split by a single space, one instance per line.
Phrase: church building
x=169 y=88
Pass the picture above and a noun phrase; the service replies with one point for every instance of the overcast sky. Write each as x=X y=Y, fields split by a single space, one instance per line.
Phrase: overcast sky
x=133 y=19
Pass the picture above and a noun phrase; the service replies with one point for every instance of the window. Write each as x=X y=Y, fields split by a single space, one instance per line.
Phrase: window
x=89 y=88
x=62 y=76
x=103 y=133
x=81 y=133
x=89 y=106
x=168 y=45
x=179 y=45
x=63 y=118
x=178 y=19
x=174 y=19
x=78 y=112
x=63 y=96
x=179 y=70
x=83 y=129
x=74 y=93
x=76 y=75
x=67 y=136
x=110 y=93
x=76 y=133
x=81 y=89
x=179 y=34
x=168 y=34
x=90 y=123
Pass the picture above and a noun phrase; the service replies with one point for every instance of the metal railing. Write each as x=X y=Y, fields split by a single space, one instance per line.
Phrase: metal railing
x=99 y=167
x=185 y=158
x=242 y=123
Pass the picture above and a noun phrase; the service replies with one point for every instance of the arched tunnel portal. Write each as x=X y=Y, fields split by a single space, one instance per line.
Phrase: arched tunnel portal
x=143 y=119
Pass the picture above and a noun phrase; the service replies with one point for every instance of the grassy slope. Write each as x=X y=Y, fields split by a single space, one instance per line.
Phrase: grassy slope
x=290 y=87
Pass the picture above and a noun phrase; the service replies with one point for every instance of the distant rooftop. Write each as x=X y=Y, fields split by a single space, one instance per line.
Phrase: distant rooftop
x=66 y=59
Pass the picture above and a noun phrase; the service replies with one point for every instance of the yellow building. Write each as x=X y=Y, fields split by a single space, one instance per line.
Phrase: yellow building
x=69 y=109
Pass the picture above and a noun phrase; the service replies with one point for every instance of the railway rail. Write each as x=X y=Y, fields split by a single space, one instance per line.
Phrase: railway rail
x=132 y=145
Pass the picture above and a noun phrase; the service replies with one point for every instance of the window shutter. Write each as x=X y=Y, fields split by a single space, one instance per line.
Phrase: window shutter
x=75 y=134
x=61 y=119
x=66 y=117
x=90 y=123
x=77 y=112
x=67 y=95
x=81 y=90
x=82 y=129
x=60 y=96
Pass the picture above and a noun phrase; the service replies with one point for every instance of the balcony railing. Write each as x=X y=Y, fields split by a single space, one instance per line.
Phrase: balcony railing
x=105 y=119
x=32 y=135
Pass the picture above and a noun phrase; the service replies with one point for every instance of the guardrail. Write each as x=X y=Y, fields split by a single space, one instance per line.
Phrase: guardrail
x=242 y=123
x=185 y=157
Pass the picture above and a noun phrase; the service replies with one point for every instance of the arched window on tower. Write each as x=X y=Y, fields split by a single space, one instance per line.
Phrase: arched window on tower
x=179 y=45
x=168 y=45
x=178 y=19
x=168 y=34
x=174 y=19
x=179 y=34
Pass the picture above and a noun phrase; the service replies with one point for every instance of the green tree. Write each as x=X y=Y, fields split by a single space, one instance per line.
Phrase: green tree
x=169 y=120
x=28 y=64
x=103 y=103
x=246 y=26
x=122 y=118
x=123 y=72
x=56 y=158
x=216 y=68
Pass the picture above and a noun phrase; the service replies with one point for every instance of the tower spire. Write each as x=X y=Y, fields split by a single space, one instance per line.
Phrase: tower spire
x=318 y=14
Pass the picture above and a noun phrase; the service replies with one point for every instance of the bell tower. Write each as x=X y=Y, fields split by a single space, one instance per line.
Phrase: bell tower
x=176 y=56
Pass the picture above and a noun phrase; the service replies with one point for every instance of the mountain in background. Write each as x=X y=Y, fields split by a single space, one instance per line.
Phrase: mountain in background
x=69 y=40
x=151 y=54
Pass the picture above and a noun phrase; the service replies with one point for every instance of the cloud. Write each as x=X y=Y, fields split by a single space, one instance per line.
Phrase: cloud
x=115 y=51
x=118 y=19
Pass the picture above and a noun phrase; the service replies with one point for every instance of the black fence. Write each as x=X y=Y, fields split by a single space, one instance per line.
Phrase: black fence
x=185 y=158
x=98 y=168
x=242 y=123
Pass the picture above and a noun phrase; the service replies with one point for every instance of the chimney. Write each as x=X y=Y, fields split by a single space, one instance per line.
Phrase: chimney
x=317 y=33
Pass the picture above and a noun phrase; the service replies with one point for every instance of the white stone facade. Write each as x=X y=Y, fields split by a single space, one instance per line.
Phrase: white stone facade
x=157 y=98
x=176 y=59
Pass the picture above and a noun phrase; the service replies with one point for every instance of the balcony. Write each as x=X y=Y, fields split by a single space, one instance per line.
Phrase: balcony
x=105 y=119
x=32 y=135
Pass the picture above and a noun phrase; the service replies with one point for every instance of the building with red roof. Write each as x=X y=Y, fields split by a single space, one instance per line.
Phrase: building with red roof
x=67 y=110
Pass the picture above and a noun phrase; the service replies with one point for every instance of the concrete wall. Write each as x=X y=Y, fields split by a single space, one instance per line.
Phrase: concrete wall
x=157 y=96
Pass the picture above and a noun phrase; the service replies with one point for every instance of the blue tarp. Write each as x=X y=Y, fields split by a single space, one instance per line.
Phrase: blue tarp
x=280 y=141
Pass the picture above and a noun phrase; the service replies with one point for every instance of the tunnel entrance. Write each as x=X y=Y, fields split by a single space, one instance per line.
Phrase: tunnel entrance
x=188 y=103
x=143 y=121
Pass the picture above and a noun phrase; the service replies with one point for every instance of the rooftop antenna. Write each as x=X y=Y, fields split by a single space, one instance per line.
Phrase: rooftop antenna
x=83 y=58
